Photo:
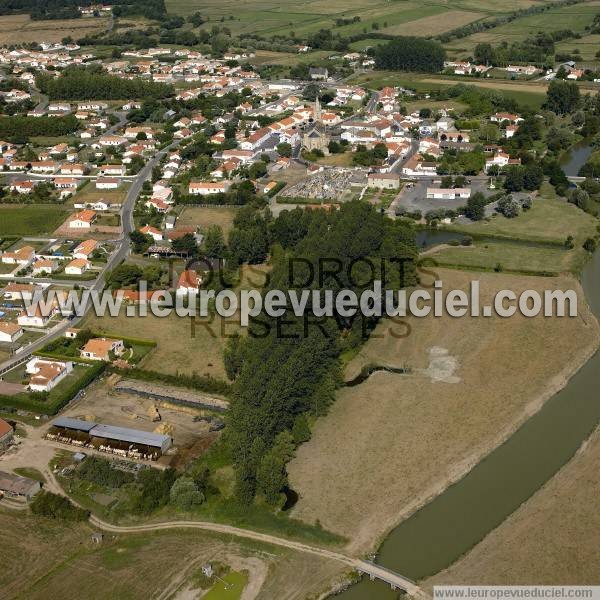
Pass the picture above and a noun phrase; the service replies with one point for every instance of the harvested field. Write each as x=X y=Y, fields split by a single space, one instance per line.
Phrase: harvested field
x=552 y=539
x=20 y=29
x=434 y=24
x=395 y=441
x=30 y=219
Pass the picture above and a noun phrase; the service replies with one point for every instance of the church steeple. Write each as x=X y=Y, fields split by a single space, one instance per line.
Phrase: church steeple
x=317 y=115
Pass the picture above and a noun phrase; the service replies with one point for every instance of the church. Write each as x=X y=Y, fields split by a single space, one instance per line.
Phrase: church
x=315 y=135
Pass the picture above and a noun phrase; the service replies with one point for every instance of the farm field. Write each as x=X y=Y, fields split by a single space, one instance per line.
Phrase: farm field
x=548 y=219
x=20 y=29
x=204 y=217
x=588 y=46
x=62 y=562
x=412 y=435
x=574 y=17
x=30 y=219
x=525 y=547
x=489 y=255
x=287 y=58
x=268 y=18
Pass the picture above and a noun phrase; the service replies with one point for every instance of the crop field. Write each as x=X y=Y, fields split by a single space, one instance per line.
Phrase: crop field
x=30 y=219
x=526 y=546
x=574 y=17
x=394 y=441
x=588 y=46
x=20 y=29
x=268 y=17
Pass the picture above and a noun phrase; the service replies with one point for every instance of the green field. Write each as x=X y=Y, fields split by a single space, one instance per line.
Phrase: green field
x=587 y=45
x=486 y=255
x=549 y=220
x=574 y=17
x=399 y=17
x=30 y=219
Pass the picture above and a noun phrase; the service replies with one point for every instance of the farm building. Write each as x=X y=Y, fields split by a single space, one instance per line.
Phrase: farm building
x=14 y=486
x=119 y=440
x=448 y=193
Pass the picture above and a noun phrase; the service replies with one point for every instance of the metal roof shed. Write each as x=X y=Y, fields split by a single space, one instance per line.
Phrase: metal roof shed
x=133 y=436
x=76 y=424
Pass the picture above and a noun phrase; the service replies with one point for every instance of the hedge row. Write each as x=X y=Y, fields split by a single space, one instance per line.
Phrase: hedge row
x=56 y=400
x=202 y=383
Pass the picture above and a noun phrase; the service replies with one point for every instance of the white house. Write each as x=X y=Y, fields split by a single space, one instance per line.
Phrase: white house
x=46 y=374
x=34 y=317
x=77 y=267
x=205 y=188
x=82 y=219
x=100 y=348
x=107 y=183
x=9 y=332
x=43 y=266
x=189 y=283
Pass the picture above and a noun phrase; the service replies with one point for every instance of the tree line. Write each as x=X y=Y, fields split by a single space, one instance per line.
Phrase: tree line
x=21 y=127
x=288 y=368
x=85 y=83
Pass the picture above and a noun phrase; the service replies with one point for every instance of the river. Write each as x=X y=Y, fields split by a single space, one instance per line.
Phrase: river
x=575 y=157
x=451 y=524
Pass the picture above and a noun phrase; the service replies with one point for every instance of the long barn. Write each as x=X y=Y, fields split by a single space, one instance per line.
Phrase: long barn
x=112 y=435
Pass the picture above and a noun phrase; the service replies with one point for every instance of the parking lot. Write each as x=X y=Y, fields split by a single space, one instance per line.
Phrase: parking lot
x=414 y=196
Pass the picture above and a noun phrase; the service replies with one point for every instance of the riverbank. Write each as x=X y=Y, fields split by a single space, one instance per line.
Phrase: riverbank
x=552 y=539
x=380 y=454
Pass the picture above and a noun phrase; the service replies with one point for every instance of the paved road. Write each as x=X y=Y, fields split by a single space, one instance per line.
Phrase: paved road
x=116 y=257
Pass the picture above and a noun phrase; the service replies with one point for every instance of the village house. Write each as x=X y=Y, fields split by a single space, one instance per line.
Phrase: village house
x=22 y=256
x=20 y=291
x=383 y=181
x=17 y=487
x=34 y=316
x=77 y=266
x=44 y=266
x=46 y=374
x=102 y=348
x=154 y=233
x=85 y=249
x=82 y=220
x=9 y=332
x=189 y=283
x=107 y=183
x=205 y=188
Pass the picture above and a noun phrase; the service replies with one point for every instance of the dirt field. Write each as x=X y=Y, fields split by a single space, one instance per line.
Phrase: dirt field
x=202 y=217
x=104 y=404
x=395 y=441
x=61 y=562
x=20 y=29
x=525 y=549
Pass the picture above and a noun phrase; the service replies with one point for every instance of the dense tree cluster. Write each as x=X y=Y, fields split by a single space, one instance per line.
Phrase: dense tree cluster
x=22 y=127
x=69 y=9
x=82 y=83
x=288 y=367
x=410 y=54
x=563 y=97
x=53 y=506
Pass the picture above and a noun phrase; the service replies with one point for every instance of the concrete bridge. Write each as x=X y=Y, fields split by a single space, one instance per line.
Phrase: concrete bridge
x=393 y=579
